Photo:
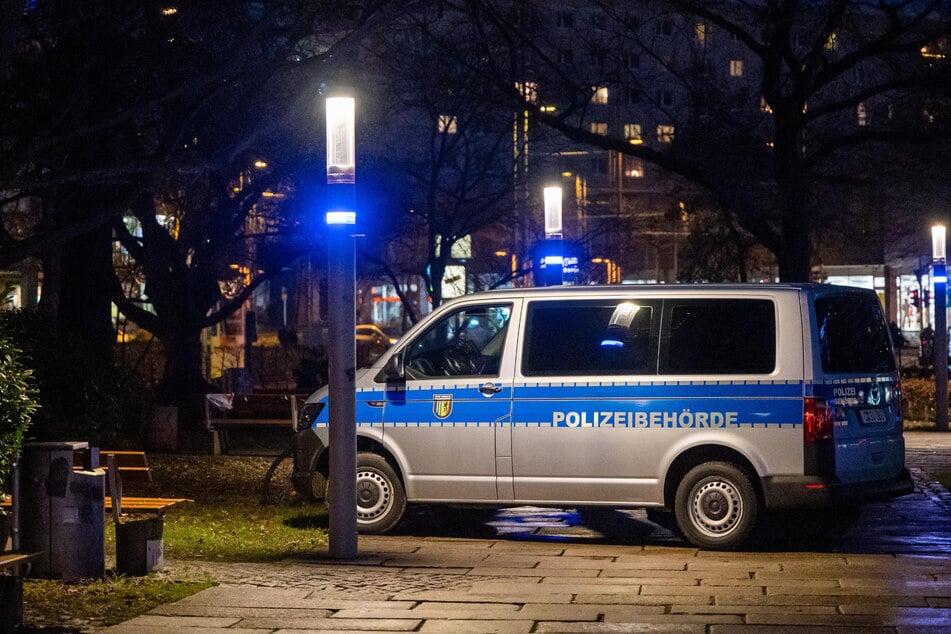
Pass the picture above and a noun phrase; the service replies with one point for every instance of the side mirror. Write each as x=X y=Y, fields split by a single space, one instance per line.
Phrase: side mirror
x=393 y=371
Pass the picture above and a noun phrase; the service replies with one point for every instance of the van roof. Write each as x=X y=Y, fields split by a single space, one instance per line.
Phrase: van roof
x=808 y=288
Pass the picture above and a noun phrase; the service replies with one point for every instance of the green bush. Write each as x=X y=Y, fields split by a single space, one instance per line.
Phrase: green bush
x=917 y=402
x=82 y=398
x=17 y=405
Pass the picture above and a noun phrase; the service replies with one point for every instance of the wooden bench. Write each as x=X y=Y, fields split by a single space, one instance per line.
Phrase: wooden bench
x=13 y=561
x=130 y=466
x=234 y=411
x=11 y=590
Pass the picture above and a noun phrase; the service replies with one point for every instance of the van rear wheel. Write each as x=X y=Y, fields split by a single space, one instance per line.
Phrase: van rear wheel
x=716 y=506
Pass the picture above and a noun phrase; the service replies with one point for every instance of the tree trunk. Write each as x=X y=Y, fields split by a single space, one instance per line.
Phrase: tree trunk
x=183 y=368
x=85 y=306
x=795 y=253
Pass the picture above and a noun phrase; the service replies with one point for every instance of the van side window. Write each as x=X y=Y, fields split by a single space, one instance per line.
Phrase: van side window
x=468 y=342
x=590 y=337
x=718 y=336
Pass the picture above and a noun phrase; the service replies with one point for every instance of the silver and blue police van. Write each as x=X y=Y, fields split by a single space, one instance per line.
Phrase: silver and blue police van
x=711 y=401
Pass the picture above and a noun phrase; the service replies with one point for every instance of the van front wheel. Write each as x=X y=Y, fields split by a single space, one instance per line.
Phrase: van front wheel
x=716 y=506
x=381 y=500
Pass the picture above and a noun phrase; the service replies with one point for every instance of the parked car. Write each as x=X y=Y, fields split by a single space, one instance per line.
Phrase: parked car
x=372 y=342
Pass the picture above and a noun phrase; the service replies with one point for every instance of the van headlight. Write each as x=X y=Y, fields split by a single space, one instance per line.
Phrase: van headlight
x=308 y=414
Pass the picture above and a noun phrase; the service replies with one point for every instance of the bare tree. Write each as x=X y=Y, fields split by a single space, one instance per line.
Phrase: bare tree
x=157 y=111
x=447 y=152
x=761 y=103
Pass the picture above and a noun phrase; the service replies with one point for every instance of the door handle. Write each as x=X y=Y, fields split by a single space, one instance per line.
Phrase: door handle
x=489 y=389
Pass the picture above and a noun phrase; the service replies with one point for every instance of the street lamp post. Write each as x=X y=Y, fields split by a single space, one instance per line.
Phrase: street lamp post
x=553 y=256
x=940 y=277
x=341 y=273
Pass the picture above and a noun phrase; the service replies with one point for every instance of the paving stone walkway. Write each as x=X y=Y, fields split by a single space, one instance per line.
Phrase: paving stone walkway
x=528 y=571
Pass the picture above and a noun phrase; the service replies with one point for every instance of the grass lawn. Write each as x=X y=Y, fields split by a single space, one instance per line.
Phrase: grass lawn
x=226 y=523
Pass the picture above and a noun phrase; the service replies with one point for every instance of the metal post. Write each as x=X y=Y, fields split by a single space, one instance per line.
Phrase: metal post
x=341 y=315
x=940 y=347
x=15 y=511
x=342 y=487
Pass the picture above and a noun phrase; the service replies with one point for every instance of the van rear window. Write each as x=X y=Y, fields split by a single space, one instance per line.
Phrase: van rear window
x=853 y=335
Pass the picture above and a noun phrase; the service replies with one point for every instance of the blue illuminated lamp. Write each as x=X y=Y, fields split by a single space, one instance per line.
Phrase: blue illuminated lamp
x=339 y=217
x=341 y=157
x=940 y=345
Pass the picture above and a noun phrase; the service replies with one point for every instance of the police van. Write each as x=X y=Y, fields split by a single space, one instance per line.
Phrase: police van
x=711 y=401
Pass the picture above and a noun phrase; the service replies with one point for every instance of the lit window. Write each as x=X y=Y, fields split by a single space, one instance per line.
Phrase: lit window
x=932 y=52
x=599 y=127
x=633 y=168
x=703 y=31
x=736 y=68
x=600 y=95
x=665 y=133
x=528 y=90
x=632 y=132
x=832 y=42
x=861 y=114
x=447 y=123
x=764 y=106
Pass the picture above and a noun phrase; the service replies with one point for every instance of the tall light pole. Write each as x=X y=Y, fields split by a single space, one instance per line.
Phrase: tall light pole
x=341 y=273
x=553 y=256
x=940 y=277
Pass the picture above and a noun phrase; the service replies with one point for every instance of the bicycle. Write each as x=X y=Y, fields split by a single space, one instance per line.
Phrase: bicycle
x=278 y=482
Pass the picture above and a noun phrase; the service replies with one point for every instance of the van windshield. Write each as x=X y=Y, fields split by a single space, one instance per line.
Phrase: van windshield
x=853 y=335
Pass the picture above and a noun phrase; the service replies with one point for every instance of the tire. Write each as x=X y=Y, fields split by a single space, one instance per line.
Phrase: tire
x=716 y=506
x=318 y=486
x=278 y=481
x=381 y=500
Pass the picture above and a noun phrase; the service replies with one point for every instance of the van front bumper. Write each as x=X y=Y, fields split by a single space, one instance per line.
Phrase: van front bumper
x=786 y=492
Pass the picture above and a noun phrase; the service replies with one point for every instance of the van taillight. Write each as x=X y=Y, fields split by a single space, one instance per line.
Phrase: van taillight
x=817 y=420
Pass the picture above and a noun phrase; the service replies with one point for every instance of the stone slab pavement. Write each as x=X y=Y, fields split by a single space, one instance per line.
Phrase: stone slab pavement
x=544 y=570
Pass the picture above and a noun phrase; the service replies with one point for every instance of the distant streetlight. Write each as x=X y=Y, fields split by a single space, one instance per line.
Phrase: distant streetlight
x=553 y=259
x=552 y=197
x=940 y=277
x=341 y=272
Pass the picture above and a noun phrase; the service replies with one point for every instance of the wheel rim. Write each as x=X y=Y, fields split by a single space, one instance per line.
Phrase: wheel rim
x=717 y=507
x=374 y=495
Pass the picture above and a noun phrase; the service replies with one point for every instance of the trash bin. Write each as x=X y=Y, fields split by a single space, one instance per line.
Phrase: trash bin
x=63 y=512
x=139 y=546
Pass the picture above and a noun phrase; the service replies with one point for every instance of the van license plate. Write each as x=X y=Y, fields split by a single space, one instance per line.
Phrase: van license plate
x=872 y=416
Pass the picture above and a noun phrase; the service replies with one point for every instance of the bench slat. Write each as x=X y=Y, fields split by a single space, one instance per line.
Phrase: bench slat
x=137 y=503
x=9 y=560
x=142 y=504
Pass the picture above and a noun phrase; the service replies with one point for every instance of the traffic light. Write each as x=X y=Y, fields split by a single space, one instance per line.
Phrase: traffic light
x=915 y=301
